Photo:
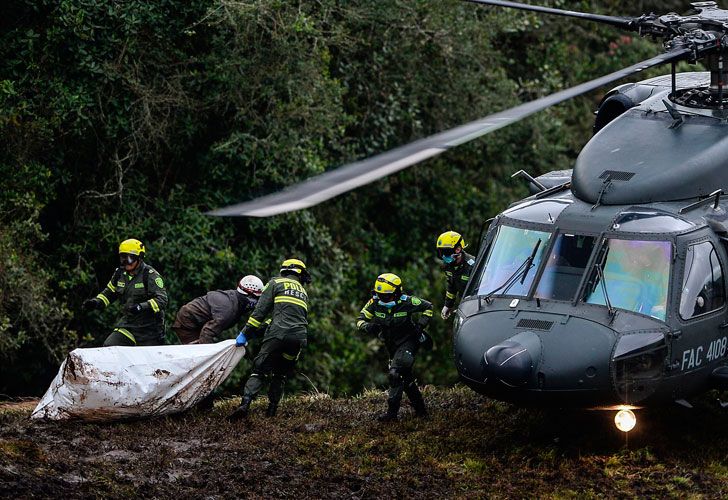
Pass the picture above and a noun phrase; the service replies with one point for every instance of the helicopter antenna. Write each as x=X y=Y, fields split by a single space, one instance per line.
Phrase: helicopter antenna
x=529 y=178
x=335 y=182
x=621 y=22
x=676 y=116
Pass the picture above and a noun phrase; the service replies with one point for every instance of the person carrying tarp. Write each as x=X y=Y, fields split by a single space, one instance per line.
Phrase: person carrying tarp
x=140 y=290
x=389 y=316
x=285 y=300
x=203 y=319
x=457 y=266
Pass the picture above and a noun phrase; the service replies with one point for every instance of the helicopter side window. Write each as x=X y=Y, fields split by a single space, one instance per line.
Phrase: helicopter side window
x=703 y=289
x=636 y=276
x=509 y=261
x=565 y=266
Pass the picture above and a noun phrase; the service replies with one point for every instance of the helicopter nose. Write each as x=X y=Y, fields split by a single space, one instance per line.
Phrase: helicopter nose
x=513 y=360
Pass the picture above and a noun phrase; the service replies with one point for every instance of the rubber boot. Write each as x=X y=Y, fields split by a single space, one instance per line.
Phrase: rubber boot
x=417 y=401
x=392 y=410
x=242 y=411
x=275 y=393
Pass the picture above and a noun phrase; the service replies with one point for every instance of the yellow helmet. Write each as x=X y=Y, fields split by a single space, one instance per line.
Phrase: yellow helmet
x=132 y=247
x=295 y=266
x=448 y=241
x=387 y=284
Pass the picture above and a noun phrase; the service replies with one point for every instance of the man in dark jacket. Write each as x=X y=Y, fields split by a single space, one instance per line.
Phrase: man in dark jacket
x=457 y=265
x=203 y=319
x=285 y=300
x=388 y=315
x=140 y=290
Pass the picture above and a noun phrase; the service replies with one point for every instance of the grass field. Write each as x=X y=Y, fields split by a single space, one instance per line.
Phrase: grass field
x=318 y=447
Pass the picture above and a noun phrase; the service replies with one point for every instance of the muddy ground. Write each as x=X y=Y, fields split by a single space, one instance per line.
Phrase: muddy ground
x=319 y=447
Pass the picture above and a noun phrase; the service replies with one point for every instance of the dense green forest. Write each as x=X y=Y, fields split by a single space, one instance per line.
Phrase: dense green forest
x=132 y=119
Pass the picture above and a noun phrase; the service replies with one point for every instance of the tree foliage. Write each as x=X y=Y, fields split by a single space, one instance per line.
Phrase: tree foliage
x=131 y=119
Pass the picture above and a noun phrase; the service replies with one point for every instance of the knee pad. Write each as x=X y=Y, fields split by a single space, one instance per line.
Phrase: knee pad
x=395 y=378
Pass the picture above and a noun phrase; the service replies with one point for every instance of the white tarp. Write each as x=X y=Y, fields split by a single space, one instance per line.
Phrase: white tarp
x=110 y=383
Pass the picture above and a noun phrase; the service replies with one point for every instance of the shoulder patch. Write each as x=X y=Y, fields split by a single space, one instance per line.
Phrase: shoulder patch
x=159 y=281
x=416 y=301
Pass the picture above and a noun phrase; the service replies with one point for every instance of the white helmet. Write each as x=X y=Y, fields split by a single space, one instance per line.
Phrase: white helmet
x=250 y=285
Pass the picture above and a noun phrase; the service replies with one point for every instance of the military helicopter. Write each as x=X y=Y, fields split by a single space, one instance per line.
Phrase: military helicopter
x=606 y=287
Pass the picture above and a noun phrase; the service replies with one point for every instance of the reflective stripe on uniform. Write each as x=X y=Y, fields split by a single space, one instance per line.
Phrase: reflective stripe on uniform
x=126 y=333
x=253 y=322
x=367 y=314
x=464 y=278
x=285 y=280
x=360 y=323
x=110 y=286
x=290 y=357
x=427 y=313
x=291 y=300
x=155 y=306
x=103 y=299
x=449 y=295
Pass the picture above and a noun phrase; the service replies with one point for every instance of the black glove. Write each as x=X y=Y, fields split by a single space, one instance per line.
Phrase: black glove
x=133 y=308
x=373 y=328
x=91 y=304
x=424 y=338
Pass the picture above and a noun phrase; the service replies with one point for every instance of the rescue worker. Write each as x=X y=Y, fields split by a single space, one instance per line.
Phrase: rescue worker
x=389 y=315
x=140 y=290
x=458 y=266
x=203 y=319
x=284 y=299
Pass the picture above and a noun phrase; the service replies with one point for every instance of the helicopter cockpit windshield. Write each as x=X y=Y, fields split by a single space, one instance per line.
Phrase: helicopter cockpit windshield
x=636 y=276
x=511 y=251
x=636 y=273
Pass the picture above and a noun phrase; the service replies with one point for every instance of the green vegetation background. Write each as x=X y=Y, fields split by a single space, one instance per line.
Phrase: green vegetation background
x=131 y=119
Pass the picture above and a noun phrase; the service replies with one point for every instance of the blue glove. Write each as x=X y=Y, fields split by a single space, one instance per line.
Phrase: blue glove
x=241 y=339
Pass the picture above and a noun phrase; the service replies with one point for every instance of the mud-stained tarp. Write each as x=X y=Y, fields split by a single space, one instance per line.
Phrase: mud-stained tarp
x=111 y=383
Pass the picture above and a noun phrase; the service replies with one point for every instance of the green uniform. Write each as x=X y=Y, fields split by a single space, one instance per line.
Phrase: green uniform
x=402 y=338
x=457 y=278
x=285 y=300
x=146 y=287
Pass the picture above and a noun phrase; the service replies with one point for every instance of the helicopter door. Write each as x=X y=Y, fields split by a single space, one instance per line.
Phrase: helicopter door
x=703 y=340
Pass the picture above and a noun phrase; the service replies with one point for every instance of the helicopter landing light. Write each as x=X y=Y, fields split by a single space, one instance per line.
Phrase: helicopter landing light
x=514 y=302
x=625 y=420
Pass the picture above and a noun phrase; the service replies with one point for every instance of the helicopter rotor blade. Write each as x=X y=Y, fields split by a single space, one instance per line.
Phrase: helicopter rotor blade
x=335 y=182
x=622 y=22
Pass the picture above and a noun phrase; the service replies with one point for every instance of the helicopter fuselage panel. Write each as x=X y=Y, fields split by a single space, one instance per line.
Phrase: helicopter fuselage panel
x=641 y=156
x=624 y=304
